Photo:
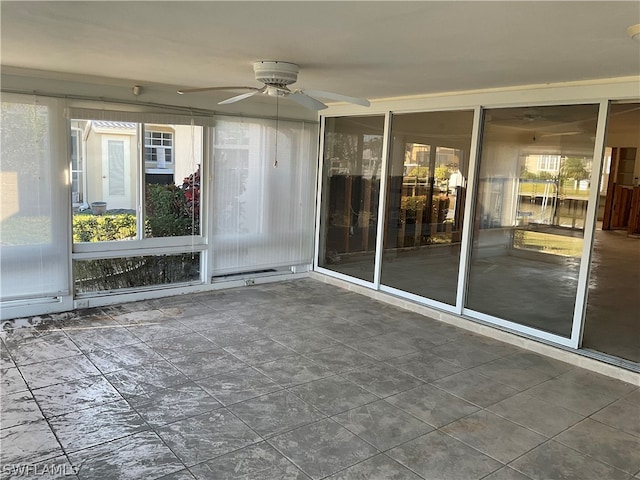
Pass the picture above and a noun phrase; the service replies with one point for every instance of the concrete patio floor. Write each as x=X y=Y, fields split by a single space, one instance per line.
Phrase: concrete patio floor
x=298 y=380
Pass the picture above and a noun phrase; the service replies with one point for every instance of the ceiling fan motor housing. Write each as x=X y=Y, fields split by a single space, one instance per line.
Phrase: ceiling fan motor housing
x=276 y=73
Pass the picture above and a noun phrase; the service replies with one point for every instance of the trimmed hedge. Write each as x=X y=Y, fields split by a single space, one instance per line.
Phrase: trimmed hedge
x=130 y=272
x=169 y=213
x=103 y=228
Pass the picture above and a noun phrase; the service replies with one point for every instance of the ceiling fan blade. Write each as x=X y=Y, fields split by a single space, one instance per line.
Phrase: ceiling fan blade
x=210 y=89
x=339 y=98
x=306 y=101
x=242 y=96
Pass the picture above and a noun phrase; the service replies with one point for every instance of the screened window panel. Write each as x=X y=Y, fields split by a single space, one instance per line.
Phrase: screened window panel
x=34 y=261
x=263 y=214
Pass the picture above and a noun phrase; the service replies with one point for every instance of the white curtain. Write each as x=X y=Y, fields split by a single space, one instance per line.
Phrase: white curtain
x=33 y=230
x=262 y=215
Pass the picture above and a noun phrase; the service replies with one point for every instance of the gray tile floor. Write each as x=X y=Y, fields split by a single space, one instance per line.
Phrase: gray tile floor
x=298 y=380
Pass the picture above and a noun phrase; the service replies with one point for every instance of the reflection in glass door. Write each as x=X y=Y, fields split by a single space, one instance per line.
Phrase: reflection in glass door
x=426 y=190
x=612 y=324
x=352 y=164
x=532 y=196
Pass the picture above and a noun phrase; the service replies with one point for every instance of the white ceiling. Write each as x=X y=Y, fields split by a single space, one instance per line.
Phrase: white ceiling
x=367 y=49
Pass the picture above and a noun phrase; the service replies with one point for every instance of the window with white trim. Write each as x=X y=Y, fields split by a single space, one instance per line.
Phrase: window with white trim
x=549 y=163
x=77 y=168
x=158 y=147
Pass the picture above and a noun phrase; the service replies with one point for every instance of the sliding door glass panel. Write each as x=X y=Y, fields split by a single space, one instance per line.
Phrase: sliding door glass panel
x=612 y=325
x=533 y=189
x=350 y=192
x=425 y=203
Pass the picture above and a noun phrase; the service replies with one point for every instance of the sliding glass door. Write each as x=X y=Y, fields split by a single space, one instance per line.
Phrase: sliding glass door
x=612 y=324
x=426 y=190
x=530 y=215
x=350 y=193
x=521 y=255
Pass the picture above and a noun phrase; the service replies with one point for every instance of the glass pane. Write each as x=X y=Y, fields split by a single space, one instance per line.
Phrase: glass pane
x=116 y=273
x=611 y=319
x=172 y=189
x=350 y=190
x=104 y=208
x=533 y=187
x=425 y=203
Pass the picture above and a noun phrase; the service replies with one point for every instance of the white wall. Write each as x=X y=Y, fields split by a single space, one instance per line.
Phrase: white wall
x=188 y=151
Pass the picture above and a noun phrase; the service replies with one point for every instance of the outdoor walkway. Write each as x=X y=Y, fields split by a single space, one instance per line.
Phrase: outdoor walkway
x=299 y=380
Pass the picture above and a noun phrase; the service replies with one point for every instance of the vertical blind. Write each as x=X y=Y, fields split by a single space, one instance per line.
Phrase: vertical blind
x=263 y=211
x=33 y=236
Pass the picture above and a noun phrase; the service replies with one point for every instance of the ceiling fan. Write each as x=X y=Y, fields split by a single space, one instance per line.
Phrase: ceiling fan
x=276 y=77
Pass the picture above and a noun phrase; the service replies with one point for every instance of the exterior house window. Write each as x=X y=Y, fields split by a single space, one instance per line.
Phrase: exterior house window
x=158 y=148
x=77 y=168
x=549 y=163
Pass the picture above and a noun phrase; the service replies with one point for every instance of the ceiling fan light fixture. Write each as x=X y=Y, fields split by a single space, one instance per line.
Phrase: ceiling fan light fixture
x=634 y=32
x=276 y=73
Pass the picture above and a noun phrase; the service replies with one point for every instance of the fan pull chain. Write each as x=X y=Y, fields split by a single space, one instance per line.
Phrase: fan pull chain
x=275 y=157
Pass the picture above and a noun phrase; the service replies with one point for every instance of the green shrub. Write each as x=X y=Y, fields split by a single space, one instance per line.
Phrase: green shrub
x=442 y=172
x=418 y=172
x=104 y=228
x=419 y=202
x=169 y=212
